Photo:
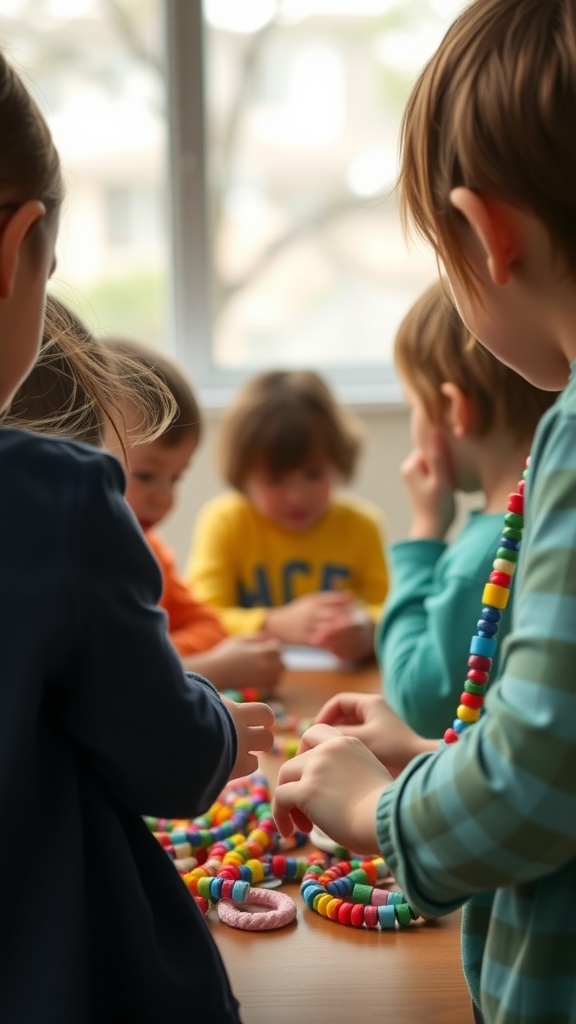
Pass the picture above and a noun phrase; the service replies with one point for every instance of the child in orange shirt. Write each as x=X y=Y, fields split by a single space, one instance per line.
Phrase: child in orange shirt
x=152 y=474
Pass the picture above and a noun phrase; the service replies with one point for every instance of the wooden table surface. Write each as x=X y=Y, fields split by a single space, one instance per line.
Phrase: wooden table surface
x=317 y=971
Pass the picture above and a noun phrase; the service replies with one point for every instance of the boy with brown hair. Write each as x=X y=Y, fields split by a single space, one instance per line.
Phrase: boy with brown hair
x=472 y=422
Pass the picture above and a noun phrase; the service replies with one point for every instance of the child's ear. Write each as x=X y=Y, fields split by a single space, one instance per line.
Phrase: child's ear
x=12 y=235
x=460 y=416
x=494 y=224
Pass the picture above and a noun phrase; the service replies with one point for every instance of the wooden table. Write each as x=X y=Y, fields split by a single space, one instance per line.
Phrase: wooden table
x=317 y=971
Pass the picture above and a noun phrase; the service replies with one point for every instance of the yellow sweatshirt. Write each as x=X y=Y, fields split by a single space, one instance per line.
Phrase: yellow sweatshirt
x=242 y=564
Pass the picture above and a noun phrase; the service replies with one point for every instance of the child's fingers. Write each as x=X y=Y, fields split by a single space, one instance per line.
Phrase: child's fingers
x=285 y=810
x=259 y=740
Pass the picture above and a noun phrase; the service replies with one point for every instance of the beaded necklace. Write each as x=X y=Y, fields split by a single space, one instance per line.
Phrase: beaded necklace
x=494 y=600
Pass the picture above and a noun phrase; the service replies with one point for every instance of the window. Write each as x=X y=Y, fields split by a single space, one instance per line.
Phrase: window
x=230 y=168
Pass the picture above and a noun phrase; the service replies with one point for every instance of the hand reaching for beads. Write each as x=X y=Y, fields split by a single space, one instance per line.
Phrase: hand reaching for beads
x=428 y=478
x=349 y=635
x=299 y=621
x=370 y=719
x=334 y=782
x=239 y=661
x=253 y=722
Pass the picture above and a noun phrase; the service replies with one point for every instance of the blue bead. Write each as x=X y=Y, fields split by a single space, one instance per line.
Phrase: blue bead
x=386 y=917
x=458 y=725
x=240 y=891
x=486 y=628
x=491 y=614
x=512 y=545
x=483 y=645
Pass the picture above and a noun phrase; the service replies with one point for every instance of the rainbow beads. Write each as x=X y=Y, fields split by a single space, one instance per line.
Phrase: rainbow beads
x=494 y=599
x=346 y=893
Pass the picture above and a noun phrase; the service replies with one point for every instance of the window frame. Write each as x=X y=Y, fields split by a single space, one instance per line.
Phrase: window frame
x=189 y=313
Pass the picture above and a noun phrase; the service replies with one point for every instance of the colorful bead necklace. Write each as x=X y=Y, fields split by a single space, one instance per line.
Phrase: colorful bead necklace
x=494 y=600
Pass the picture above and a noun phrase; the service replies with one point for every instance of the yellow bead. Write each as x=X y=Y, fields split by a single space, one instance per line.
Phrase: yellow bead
x=466 y=714
x=321 y=902
x=257 y=869
x=259 y=836
x=495 y=596
x=333 y=908
x=503 y=565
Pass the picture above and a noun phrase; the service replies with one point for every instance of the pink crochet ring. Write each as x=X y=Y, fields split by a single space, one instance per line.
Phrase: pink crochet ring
x=282 y=911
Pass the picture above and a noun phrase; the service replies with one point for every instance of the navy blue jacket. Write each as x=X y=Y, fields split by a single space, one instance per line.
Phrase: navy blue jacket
x=99 y=725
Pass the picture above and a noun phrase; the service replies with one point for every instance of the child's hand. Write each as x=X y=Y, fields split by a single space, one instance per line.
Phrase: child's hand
x=253 y=722
x=241 y=661
x=334 y=783
x=428 y=479
x=299 y=621
x=349 y=635
x=369 y=718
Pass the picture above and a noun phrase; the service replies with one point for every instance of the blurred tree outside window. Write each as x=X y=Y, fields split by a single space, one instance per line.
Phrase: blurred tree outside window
x=299 y=244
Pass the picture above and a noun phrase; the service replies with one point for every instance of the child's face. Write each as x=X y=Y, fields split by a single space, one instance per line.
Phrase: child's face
x=155 y=470
x=295 y=500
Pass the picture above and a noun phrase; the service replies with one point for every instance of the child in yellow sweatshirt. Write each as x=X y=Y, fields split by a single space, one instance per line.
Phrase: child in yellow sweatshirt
x=283 y=552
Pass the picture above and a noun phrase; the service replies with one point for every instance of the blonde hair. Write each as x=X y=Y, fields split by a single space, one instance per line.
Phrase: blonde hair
x=282 y=418
x=76 y=384
x=186 y=421
x=433 y=347
x=493 y=110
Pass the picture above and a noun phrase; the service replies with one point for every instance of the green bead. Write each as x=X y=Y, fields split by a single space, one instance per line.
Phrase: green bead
x=403 y=914
x=509 y=555
x=476 y=688
x=514 y=520
x=362 y=894
x=511 y=534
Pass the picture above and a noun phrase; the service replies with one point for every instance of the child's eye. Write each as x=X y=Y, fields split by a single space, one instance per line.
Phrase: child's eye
x=144 y=478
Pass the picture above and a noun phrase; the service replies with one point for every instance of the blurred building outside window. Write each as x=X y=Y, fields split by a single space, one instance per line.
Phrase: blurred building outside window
x=230 y=167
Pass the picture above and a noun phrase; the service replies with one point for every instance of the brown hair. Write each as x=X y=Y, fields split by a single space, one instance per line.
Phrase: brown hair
x=282 y=418
x=29 y=165
x=493 y=110
x=76 y=384
x=51 y=400
x=433 y=347
x=186 y=420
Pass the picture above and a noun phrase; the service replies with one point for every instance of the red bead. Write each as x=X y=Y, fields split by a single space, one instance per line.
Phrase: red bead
x=480 y=661
x=501 y=579
x=450 y=736
x=478 y=677
x=344 y=913
x=371 y=917
x=278 y=866
x=250 y=694
x=522 y=487
x=357 y=915
x=516 y=504
x=471 y=700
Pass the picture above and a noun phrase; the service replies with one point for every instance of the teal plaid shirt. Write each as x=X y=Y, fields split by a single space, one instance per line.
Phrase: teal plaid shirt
x=496 y=812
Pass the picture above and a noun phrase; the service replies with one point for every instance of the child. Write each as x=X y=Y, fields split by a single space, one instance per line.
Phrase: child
x=282 y=553
x=472 y=421
x=99 y=723
x=488 y=162
x=153 y=472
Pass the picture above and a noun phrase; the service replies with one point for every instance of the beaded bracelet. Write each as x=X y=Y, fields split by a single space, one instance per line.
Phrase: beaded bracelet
x=346 y=893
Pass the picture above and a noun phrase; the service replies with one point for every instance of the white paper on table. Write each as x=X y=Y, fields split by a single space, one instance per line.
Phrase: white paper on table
x=311 y=658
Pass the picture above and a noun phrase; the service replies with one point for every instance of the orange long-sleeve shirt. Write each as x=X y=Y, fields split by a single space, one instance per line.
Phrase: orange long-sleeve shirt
x=192 y=625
